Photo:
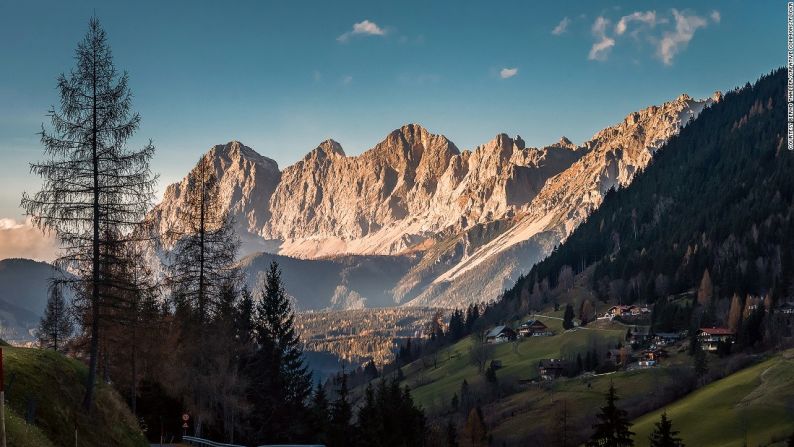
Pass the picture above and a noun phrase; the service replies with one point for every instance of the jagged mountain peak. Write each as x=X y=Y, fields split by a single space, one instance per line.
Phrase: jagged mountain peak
x=565 y=143
x=413 y=140
x=328 y=148
x=236 y=152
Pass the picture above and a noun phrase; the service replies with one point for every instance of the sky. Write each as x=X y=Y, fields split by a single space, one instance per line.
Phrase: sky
x=282 y=76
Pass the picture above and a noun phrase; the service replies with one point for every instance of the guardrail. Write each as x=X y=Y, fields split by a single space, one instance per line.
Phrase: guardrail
x=292 y=445
x=199 y=442
x=206 y=442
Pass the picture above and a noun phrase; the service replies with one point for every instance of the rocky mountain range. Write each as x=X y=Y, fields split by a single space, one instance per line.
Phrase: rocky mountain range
x=441 y=226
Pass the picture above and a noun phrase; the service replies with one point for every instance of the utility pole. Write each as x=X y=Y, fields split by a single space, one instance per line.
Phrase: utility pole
x=2 y=403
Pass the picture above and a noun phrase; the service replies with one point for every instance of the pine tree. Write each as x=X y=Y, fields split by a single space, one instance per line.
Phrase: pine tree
x=341 y=432
x=612 y=428
x=56 y=324
x=700 y=363
x=245 y=317
x=279 y=379
x=452 y=434
x=319 y=413
x=664 y=435
x=567 y=320
x=94 y=186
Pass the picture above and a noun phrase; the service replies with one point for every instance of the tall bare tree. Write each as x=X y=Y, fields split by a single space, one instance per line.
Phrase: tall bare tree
x=204 y=247
x=93 y=185
x=203 y=279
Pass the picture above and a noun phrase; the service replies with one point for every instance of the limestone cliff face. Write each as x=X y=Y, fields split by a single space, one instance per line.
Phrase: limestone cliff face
x=610 y=159
x=247 y=181
x=492 y=210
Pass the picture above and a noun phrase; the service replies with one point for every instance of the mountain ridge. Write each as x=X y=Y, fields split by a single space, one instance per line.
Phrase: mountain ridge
x=415 y=193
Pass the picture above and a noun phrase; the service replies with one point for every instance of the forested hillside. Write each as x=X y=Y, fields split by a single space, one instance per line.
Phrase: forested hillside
x=711 y=216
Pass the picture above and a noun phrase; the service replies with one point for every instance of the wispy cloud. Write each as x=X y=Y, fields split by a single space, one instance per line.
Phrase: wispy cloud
x=347 y=80
x=600 y=49
x=668 y=37
x=364 y=28
x=23 y=240
x=675 y=41
x=561 y=27
x=647 y=17
x=508 y=72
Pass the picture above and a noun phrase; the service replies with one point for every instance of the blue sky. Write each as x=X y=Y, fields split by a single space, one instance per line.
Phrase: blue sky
x=283 y=76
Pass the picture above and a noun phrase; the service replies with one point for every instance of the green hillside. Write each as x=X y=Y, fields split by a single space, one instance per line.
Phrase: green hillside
x=755 y=405
x=55 y=384
x=435 y=381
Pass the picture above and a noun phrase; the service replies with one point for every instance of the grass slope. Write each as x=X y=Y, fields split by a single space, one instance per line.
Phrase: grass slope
x=433 y=385
x=756 y=402
x=55 y=383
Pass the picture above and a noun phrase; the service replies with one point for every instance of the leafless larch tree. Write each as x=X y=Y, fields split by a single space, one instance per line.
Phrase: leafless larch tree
x=95 y=189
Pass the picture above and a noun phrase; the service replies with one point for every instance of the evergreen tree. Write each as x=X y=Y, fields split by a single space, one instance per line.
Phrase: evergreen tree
x=245 y=317
x=319 y=413
x=389 y=417
x=567 y=319
x=56 y=324
x=94 y=186
x=664 y=435
x=452 y=434
x=371 y=371
x=341 y=431
x=279 y=380
x=612 y=428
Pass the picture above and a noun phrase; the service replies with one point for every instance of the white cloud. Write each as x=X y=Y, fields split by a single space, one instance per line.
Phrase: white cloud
x=561 y=27
x=673 y=42
x=508 y=72
x=365 y=28
x=604 y=43
x=346 y=80
x=668 y=37
x=647 y=17
x=23 y=240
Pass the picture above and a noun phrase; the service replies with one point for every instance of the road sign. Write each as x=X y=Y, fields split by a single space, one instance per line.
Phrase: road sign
x=185 y=417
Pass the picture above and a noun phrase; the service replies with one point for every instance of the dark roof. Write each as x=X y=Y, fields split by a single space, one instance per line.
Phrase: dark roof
x=717 y=331
x=668 y=334
x=498 y=330
x=530 y=323
x=550 y=363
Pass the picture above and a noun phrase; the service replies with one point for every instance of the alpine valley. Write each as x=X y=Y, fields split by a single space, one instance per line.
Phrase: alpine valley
x=415 y=221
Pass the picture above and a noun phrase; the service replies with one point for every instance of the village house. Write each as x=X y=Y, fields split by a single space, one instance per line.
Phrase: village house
x=534 y=328
x=785 y=308
x=639 y=334
x=626 y=311
x=651 y=357
x=550 y=369
x=710 y=338
x=666 y=338
x=500 y=334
